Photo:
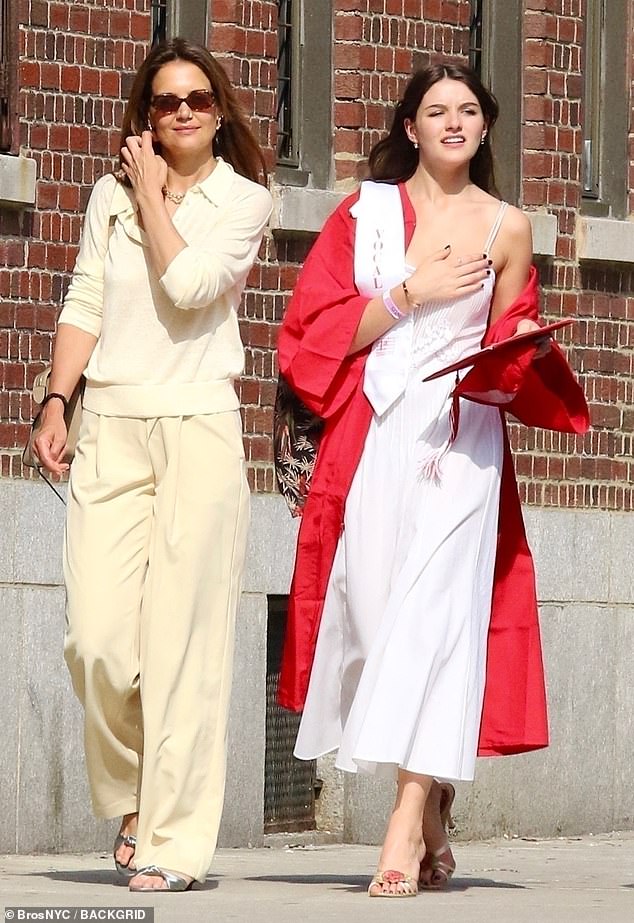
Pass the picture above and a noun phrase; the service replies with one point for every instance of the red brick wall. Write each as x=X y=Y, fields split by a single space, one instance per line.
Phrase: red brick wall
x=77 y=60
x=561 y=470
x=377 y=45
x=243 y=34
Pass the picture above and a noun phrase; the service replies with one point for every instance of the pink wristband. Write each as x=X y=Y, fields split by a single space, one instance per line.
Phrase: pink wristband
x=392 y=307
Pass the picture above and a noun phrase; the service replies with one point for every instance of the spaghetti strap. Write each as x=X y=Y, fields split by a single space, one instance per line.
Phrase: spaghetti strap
x=493 y=233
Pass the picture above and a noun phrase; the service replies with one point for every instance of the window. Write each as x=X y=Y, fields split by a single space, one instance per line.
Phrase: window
x=8 y=66
x=286 y=85
x=304 y=92
x=495 y=53
x=592 y=99
x=475 y=35
x=605 y=109
x=183 y=18
x=159 y=21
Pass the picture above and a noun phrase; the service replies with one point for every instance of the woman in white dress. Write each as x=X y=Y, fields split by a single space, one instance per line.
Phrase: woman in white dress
x=397 y=681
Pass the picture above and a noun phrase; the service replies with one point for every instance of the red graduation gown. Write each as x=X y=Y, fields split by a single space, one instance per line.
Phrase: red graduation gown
x=319 y=326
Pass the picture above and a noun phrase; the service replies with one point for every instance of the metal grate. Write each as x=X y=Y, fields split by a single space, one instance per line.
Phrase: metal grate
x=285 y=89
x=289 y=783
x=159 y=21
x=475 y=36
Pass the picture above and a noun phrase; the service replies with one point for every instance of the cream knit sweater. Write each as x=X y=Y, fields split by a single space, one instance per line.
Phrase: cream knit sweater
x=166 y=346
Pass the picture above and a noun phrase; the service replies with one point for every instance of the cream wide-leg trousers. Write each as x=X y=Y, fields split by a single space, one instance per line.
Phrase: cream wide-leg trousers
x=156 y=532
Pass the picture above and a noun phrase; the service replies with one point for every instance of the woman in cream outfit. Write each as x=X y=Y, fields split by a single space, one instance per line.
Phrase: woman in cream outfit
x=158 y=501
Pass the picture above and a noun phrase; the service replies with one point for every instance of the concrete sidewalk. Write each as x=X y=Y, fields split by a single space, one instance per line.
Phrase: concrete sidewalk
x=585 y=880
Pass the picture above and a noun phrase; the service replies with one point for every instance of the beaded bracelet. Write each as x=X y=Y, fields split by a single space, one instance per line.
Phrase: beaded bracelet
x=392 y=307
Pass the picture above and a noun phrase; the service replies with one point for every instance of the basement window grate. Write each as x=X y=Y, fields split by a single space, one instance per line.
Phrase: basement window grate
x=289 y=783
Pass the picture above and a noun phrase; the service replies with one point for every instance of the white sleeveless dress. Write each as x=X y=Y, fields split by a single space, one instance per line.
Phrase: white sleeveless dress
x=399 y=669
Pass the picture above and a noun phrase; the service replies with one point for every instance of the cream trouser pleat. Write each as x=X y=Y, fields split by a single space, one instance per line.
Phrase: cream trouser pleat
x=155 y=541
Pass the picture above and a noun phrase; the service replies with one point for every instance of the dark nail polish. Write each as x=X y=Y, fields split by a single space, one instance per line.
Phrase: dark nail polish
x=490 y=262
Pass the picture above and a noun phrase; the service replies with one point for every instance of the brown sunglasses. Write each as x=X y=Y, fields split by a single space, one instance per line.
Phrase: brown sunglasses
x=169 y=103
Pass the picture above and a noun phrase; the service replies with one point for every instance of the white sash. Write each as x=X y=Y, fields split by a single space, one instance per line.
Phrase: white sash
x=379 y=265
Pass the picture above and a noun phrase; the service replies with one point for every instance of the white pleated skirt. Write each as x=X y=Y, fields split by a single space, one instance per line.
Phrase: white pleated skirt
x=399 y=670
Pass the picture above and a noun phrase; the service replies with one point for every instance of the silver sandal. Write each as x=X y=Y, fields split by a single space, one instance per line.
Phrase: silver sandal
x=124 y=839
x=173 y=882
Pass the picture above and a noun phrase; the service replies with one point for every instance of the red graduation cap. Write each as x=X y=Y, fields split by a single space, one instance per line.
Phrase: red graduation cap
x=498 y=369
x=497 y=373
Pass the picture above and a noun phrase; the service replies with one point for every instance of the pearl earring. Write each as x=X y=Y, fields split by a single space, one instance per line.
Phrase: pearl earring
x=415 y=143
x=218 y=123
x=483 y=138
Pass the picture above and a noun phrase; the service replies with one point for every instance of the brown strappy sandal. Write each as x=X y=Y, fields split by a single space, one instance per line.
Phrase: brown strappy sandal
x=441 y=869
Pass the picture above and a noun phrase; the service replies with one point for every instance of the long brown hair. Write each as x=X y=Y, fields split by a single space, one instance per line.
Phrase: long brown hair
x=394 y=159
x=234 y=141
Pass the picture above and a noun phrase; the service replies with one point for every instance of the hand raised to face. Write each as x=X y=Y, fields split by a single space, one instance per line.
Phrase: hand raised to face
x=146 y=170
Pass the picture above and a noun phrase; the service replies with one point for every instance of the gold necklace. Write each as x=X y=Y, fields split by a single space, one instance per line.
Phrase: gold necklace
x=176 y=197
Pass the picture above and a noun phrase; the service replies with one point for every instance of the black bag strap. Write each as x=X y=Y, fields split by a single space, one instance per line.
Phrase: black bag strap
x=50 y=484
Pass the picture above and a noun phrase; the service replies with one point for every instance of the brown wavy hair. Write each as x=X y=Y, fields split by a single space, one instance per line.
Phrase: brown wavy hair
x=234 y=141
x=394 y=159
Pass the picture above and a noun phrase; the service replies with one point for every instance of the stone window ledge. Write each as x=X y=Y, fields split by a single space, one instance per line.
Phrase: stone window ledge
x=605 y=239
x=300 y=209
x=297 y=209
x=544 y=227
x=17 y=181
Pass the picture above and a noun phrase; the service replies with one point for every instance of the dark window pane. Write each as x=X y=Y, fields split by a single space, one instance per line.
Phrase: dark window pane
x=592 y=98
x=475 y=35
x=285 y=88
x=159 y=21
x=7 y=64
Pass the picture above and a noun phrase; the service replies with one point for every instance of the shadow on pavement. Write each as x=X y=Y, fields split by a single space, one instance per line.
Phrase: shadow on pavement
x=358 y=883
x=105 y=878
x=465 y=884
x=352 y=883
